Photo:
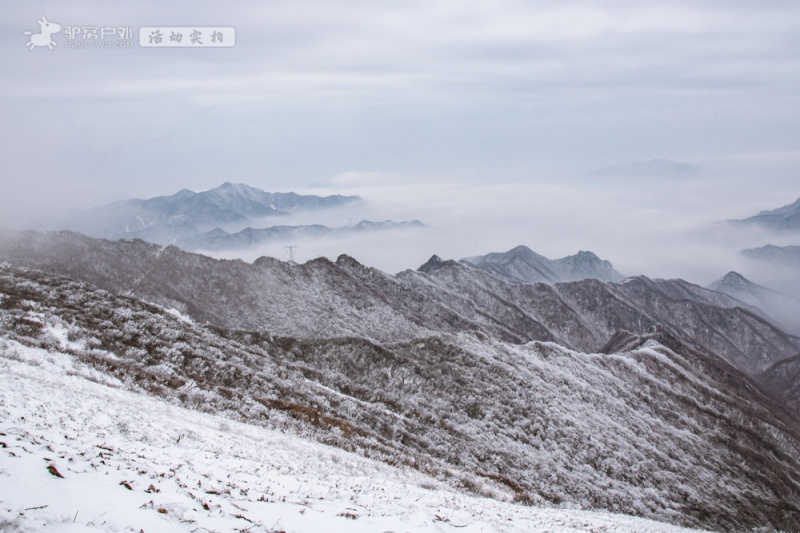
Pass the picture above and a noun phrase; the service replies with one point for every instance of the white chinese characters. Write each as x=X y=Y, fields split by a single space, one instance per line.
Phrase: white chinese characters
x=186 y=37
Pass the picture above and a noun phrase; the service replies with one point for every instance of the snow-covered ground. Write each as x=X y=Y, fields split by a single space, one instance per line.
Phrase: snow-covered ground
x=134 y=463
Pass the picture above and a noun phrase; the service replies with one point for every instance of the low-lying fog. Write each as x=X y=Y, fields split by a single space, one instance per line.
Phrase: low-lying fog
x=660 y=226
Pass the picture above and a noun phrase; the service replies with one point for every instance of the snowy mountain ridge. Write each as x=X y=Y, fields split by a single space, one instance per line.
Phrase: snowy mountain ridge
x=656 y=428
x=523 y=265
x=783 y=219
x=345 y=298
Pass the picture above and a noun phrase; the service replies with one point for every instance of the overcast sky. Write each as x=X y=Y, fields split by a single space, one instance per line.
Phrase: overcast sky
x=431 y=107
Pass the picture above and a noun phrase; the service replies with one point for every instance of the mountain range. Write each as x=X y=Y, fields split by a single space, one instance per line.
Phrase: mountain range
x=187 y=214
x=341 y=298
x=652 y=397
x=218 y=239
x=786 y=256
x=783 y=219
x=523 y=265
x=778 y=266
x=782 y=308
x=648 y=426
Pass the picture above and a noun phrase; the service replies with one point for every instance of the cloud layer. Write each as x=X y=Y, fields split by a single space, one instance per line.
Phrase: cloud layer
x=487 y=118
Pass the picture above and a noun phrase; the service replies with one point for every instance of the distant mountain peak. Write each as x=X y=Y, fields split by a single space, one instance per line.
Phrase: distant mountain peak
x=435 y=263
x=733 y=277
x=187 y=214
x=788 y=209
x=783 y=219
x=781 y=255
x=181 y=194
x=586 y=255
x=241 y=189
x=782 y=308
x=523 y=265
x=348 y=261
x=733 y=281
x=521 y=249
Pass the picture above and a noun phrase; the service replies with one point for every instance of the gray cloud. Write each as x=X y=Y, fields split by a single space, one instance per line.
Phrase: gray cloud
x=464 y=107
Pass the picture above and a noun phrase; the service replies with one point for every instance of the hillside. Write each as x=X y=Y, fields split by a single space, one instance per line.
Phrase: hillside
x=653 y=427
x=131 y=462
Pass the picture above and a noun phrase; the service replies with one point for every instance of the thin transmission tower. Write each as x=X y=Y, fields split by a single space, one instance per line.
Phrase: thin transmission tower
x=291 y=253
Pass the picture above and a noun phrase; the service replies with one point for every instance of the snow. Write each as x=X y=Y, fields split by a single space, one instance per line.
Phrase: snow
x=134 y=463
x=180 y=316
x=61 y=335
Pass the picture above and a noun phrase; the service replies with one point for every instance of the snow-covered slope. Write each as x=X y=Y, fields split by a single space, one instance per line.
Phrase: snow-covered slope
x=79 y=453
x=782 y=380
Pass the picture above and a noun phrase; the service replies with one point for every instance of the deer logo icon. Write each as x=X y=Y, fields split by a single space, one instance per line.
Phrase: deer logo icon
x=42 y=38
